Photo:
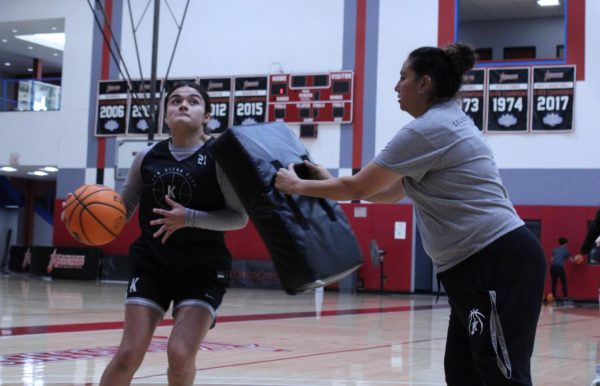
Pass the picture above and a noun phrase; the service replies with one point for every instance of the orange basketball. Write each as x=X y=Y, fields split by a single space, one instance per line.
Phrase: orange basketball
x=549 y=298
x=94 y=214
x=578 y=259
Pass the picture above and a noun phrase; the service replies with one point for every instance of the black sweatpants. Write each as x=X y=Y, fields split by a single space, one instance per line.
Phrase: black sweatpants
x=558 y=272
x=495 y=298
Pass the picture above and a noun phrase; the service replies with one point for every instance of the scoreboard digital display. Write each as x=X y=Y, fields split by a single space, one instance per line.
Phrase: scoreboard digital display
x=311 y=98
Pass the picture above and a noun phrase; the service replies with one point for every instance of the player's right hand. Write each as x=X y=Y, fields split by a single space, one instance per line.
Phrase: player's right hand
x=317 y=172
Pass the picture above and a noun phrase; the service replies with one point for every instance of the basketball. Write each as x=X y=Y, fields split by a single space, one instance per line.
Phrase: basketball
x=578 y=259
x=549 y=298
x=94 y=214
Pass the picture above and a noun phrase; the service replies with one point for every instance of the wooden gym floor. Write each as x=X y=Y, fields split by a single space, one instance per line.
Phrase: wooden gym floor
x=63 y=332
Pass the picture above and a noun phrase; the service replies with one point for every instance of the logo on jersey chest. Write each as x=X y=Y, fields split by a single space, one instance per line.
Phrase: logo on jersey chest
x=175 y=182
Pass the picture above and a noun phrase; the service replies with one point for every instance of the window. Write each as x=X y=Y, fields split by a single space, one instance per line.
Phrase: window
x=573 y=26
x=31 y=66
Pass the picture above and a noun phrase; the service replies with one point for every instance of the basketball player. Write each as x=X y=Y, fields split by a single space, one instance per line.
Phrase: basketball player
x=490 y=264
x=185 y=205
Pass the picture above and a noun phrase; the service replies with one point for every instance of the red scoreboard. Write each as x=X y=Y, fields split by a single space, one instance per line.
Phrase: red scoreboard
x=311 y=98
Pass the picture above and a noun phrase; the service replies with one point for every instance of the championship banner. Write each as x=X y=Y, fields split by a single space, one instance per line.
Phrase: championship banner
x=140 y=116
x=250 y=100
x=112 y=102
x=472 y=94
x=508 y=100
x=219 y=91
x=553 y=93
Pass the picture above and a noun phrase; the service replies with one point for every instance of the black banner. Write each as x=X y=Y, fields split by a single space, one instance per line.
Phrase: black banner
x=472 y=94
x=250 y=100
x=508 y=100
x=219 y=91
x=58 y=262
x=140 y=116
x=553 y=92
x=112 y=103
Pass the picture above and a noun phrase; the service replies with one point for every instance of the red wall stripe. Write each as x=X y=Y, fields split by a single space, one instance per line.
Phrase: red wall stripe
x=576 y=36
x=359 y=79
x=104 y=74
x=446 y=21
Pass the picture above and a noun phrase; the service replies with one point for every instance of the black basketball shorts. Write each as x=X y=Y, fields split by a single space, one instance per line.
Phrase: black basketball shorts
x=155 y=290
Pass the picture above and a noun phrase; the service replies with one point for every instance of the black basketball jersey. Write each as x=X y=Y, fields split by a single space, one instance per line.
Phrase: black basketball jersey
x=192 y=182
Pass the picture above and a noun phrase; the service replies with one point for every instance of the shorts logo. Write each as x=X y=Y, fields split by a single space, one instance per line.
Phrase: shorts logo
x=132 y=286
x=475 y=321
x=209 y=296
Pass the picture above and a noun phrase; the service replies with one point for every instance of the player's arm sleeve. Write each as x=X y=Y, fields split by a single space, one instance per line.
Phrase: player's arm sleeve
x=131 y=190
x=232 y=217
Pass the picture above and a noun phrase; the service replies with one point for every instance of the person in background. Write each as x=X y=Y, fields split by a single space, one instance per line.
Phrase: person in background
x=591 y=242
x=468 y=225
x=185 y=205
x=557 y=270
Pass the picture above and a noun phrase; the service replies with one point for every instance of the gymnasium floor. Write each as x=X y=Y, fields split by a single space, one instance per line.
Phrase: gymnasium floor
x=64 y=332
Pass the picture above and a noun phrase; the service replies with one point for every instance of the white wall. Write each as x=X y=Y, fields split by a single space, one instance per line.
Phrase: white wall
x=237 y=37
x=54 y=137
x=403 y=26
x=241 y=37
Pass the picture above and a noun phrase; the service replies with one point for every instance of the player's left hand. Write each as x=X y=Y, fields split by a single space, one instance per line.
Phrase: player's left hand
x=287 y=181
x=172 y=219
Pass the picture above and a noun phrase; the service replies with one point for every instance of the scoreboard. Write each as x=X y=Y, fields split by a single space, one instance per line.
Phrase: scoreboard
x=311 y=98
x=126 y=109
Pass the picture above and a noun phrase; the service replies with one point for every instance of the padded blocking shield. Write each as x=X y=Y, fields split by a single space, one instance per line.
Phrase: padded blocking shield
x=309 y=239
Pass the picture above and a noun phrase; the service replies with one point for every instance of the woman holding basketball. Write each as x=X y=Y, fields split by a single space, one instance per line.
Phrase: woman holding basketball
x=185 y=205
x=492 y=267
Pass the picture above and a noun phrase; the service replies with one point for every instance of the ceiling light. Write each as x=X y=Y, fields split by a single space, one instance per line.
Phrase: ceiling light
x=30 y=70
x=54 y=28
x=7 y=64
x=54 y=40
x=30 y=47
x=14 y=31
x=4 y=40
x=548 y=3
x=55 y=54
x=8 y=169
x=50 y=169
x=38 y=173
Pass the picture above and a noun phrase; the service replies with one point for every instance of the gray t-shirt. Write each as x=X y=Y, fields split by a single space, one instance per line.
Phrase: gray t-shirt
x=450 y=175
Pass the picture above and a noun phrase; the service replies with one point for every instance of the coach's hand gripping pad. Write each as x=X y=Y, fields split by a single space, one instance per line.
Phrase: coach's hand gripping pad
x=309 y=239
